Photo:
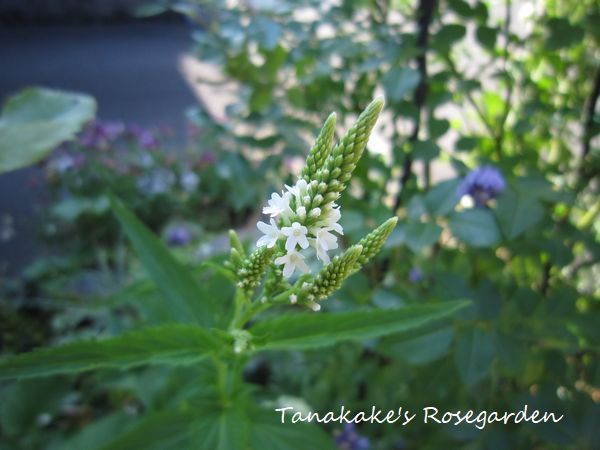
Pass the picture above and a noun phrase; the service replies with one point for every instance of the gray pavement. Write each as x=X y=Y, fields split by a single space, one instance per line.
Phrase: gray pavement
x=130 y=68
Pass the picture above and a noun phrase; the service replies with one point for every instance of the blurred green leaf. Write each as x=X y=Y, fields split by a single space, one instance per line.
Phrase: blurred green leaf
x=317 y=330
x=173 y=344
x=487 y=36
x=476 y=227
x=400 y=81
x=421 y=234
x=474 y=355
x=421 y=349
x=562 y=34
x=36 y=120
x=186 y=299
x=425 y=150
x=517 y=212
x=442 y=198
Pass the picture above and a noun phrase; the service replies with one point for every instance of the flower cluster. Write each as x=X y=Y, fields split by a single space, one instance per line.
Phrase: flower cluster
x=305 y=215
x=482 y=184
x=305 y=218
x=299 y=228
x=350 y=439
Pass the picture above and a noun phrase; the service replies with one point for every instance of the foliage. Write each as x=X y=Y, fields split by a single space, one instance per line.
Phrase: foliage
x=36 y=120
x=217 y=331
x=468 y=86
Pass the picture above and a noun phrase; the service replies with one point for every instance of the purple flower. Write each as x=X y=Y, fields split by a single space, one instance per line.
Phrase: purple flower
x=349 y=439
x=178 y=236
x=415 y=275
x=100 y=133
x=482 y=184
x=145 y=137
x=207 y=158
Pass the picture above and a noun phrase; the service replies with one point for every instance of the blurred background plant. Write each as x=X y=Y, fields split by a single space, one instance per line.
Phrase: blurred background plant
x=488 y=153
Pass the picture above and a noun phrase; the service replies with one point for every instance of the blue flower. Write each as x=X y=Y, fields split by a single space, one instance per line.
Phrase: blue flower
x=415 y=275
x=178 y=236
x=482 y=184
x=349 y=439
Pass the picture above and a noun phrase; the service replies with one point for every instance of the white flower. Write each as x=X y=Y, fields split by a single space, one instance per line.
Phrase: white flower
x=293 y=299
x=292 y=261
x=323 y=242
x=296 y=234
x=298 y=190
x=331 y=220
x=271 y=234
x=279 y=204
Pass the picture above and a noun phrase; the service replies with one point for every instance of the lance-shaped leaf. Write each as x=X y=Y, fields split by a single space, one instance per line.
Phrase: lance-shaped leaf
x=187 y=300
x=316 y=330
x=35 y=121
x=173 y=344
x=210 y=426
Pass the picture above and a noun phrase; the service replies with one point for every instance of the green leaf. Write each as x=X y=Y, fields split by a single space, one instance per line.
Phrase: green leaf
x=173 y=344
x=187 y=300
x=210 y=426
x=420 y=349
x=476 y=227
x=562 y=34
x=35 y=121
x=474 y=355
x=400 y=81
x=268 y=433
x=425 y=150
x=445 y=38
x=316 y=330
x=487 y=36
x=517 y=212
x=419 y=235
x=159 y=431
x=442 y=198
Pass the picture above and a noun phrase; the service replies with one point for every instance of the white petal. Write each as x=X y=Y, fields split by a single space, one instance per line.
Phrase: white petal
x=288 y=270
x=264 y=240
x=290 y=244
x=303 y=241
x=300 y=264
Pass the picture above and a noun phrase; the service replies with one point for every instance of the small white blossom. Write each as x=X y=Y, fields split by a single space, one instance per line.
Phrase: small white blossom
x=315 y=307
x=323 y=242
x=331 y=220
x=298 y=190
x=315 y=212
x=292 y=261
x=293 y=299
x=271 y=234
x=279 y=204
x=296 y=234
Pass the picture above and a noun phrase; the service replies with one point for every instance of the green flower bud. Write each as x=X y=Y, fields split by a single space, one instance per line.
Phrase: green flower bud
x=274 y=281
x=349 y=149
x=373 y=241
x=321 y=150
x=234 y=242
x=254 y=267
x=235 y=258
x=330 y=278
